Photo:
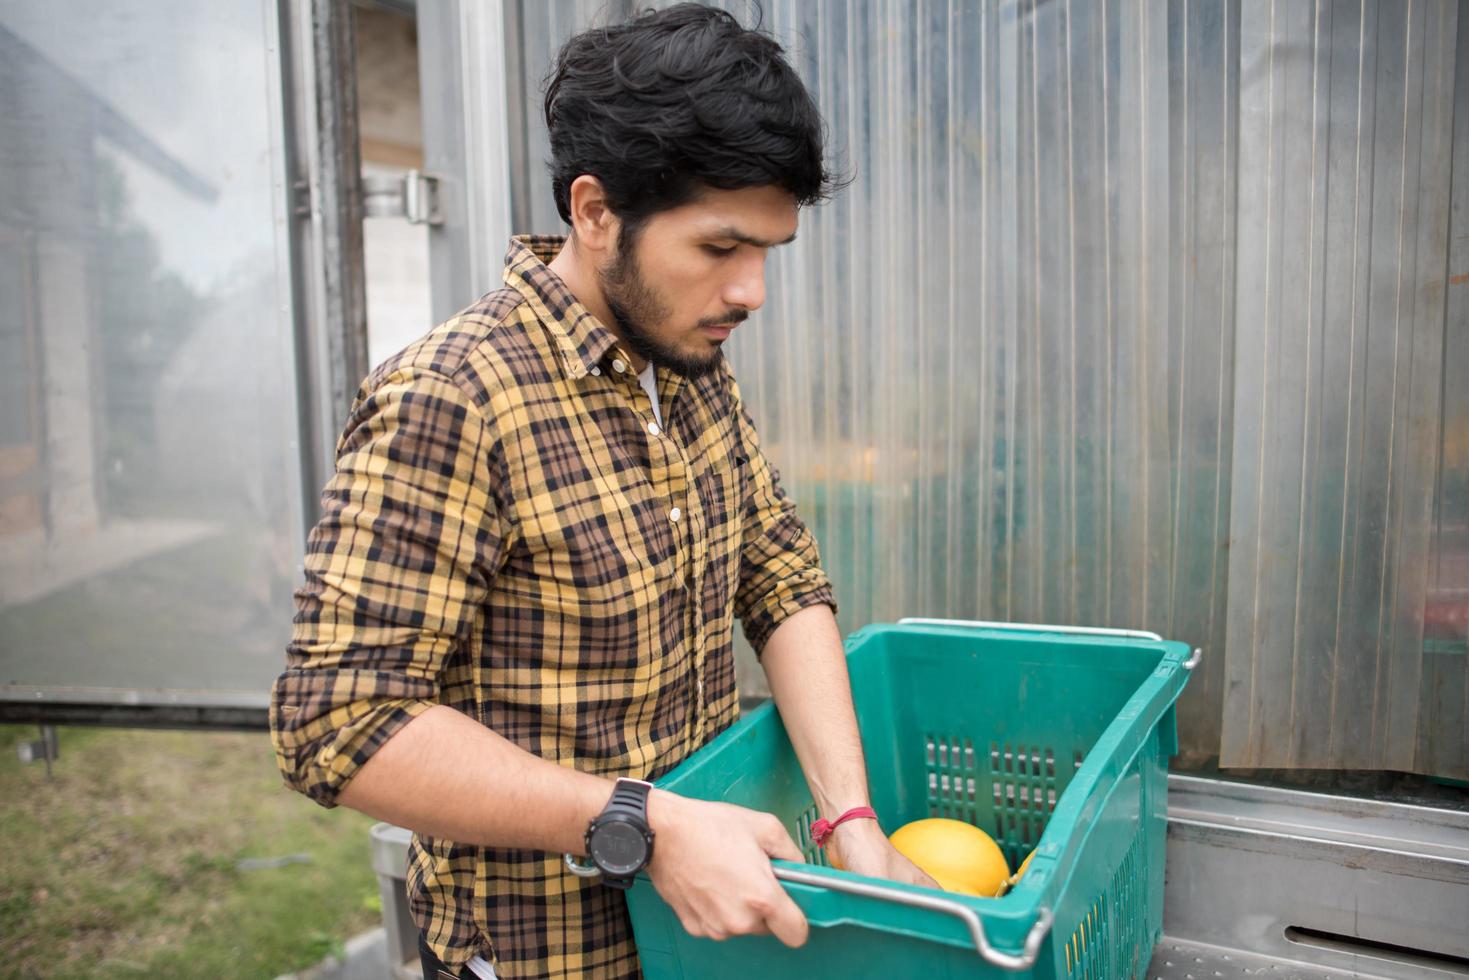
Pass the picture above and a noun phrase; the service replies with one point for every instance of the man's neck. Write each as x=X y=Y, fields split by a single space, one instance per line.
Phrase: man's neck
x=581 y=279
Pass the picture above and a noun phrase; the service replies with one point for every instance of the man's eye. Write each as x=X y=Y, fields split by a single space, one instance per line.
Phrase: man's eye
x=716 y=250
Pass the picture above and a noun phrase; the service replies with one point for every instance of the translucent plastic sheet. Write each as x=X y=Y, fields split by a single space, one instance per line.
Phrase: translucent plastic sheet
x=150 y=525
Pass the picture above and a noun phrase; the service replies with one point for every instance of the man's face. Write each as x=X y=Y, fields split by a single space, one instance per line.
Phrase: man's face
x=694 y=273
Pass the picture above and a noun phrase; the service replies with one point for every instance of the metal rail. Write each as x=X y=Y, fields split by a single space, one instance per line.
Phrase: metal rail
x=936 y=903
x=1189 y=664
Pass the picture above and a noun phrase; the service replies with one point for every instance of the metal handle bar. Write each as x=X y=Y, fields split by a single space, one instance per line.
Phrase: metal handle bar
x=935 y=903
x=1005 y=961
x=1189 y=664
x=1029 y=627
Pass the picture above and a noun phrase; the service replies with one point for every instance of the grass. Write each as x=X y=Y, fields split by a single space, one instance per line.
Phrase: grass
x=123 y=864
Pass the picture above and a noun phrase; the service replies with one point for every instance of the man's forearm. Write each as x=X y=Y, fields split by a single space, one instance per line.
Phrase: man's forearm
x=807 y=669
x=808 y=676
x=445 y=775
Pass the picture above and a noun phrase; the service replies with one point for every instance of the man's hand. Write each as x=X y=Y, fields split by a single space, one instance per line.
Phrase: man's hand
x=860 y=847
x=711 y=863
x=807 y=669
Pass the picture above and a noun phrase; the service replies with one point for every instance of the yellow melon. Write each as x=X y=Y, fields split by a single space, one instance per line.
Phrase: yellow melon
x=960 y=857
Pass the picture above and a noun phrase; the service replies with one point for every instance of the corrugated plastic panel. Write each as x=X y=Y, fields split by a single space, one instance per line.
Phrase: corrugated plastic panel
x=1443 y=728
x=1346 y=115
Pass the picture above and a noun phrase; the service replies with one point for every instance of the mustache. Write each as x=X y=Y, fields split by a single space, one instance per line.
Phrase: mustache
x=730 y=318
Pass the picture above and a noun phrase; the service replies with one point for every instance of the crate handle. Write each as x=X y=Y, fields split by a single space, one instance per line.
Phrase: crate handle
x=1005 y=961
x=1029 y=627
x=1189 y=664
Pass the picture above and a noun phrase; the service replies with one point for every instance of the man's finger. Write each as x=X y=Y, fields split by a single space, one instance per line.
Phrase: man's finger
x=925 y=879
x=787 y=922
x=918 y=876
x=778 y=844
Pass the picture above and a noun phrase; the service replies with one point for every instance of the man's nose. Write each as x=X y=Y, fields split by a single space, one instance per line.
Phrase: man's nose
x=747 y=289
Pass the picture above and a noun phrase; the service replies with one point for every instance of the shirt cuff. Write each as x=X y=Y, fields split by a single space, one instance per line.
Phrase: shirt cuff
x=319 y=756
x=811 y=587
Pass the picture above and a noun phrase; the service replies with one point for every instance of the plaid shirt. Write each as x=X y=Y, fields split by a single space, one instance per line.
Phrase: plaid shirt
x=509 y=533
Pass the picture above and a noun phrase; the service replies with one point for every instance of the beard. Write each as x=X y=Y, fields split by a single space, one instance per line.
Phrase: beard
x=635 y=305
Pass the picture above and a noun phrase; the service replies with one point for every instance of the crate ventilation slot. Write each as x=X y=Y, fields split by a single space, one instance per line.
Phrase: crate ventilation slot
x=804 y=840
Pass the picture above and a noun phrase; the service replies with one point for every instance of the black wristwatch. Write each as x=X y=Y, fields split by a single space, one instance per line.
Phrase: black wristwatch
x=619 y=841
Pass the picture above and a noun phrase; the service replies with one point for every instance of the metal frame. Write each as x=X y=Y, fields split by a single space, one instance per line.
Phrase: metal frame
x=1253 y=869
x=984 y=624
x=329 y=277
x=1189 y=664
x=466 y=145
x=249 y=715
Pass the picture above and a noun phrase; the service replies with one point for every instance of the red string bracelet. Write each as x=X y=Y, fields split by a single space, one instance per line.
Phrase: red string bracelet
x=822 y=829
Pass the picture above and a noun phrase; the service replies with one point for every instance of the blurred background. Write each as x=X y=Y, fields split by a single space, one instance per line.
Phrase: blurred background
x=1147 y=314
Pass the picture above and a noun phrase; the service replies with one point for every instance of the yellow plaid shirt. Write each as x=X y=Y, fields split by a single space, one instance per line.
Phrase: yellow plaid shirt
x=509 y=533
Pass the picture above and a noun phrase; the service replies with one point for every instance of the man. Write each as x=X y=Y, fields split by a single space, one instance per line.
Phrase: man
x=547 y=514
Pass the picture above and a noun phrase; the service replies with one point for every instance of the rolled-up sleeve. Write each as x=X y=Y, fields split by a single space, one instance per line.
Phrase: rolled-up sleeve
x=780 y=564
x=396 y=569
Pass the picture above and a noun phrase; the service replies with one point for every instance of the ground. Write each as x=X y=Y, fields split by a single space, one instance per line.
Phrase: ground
x=125 y=863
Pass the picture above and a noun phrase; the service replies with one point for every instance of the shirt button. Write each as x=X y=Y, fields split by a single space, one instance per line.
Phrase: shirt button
x=653 y=429
x=675 y=514
x=619 y=366
x=597 y=371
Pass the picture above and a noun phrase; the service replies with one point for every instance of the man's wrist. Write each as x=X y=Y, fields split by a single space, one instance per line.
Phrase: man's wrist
x=620 y=840
x=663 y=821
x=661 y=807
x=861 y=816
x=853 y=830
x=847 y=803
x=865 y=819
x=834 y=812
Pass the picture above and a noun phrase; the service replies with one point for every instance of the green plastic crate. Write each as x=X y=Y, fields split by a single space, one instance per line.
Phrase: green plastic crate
x=1045 y=738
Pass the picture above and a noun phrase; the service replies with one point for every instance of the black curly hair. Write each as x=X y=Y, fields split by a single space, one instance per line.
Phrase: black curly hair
x=673 y=102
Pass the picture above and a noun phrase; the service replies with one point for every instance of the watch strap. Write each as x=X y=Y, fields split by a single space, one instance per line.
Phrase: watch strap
x=629 y=796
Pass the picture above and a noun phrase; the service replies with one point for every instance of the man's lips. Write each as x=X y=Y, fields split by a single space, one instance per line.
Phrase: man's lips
x=719 y=331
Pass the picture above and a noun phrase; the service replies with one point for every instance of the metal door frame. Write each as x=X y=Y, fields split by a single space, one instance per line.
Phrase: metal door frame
x=467 y=145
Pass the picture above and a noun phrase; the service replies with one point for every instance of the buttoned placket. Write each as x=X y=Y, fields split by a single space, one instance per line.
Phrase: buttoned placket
x=670 y=474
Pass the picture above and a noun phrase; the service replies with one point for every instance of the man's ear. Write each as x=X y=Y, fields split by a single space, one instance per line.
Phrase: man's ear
x=595 y=225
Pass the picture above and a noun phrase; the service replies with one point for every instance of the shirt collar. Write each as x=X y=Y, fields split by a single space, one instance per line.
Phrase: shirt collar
x=582 y=338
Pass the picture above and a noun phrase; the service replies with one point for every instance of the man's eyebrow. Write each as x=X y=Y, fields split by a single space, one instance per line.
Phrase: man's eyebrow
x=736 y=235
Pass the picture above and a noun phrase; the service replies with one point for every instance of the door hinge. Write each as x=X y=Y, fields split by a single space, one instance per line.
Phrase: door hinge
x=414 y=195
x=301 y=198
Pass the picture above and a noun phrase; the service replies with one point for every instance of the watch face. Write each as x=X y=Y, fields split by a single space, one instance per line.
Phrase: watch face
x=618 y=848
